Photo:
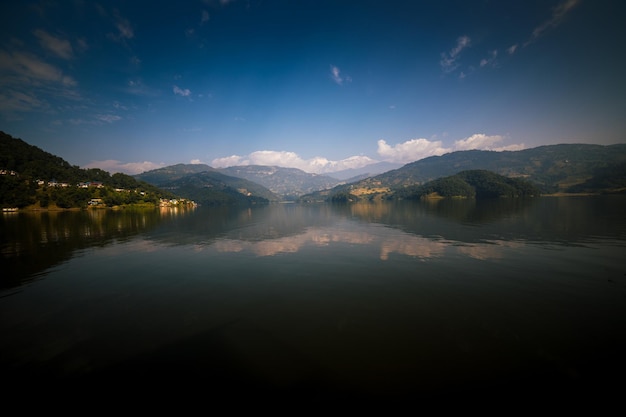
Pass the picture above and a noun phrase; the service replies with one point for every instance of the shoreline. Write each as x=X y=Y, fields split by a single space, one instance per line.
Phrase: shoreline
x=53 y=208
x=35 y=208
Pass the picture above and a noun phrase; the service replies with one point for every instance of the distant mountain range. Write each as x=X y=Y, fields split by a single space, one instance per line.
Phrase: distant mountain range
x=356 y=174
x=568 y=168
x=563 y=168
x=279 y=183
x=207 y=186
x=290 y=183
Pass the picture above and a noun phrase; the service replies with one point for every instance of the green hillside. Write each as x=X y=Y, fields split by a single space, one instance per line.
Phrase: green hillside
x=214 y=188
x=553 y=169
x=470 y=184
x=29 y=176
x=171 y=173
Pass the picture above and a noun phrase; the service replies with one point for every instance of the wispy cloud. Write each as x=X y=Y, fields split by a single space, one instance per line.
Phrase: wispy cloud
x=138 y=88
x=60 y=47
x=27 y=83
x=511 y=49
x=490 y=60
x=335 y=75
x=318 y=165
x=181 y=92
x=94 y=120
x=30 y=68
x=204 y=17
x=108 y=118
x=130 y=168
x=558 y=13
x=11 y=101
x=416 y=149
x=217 y=3
x=449 y=59
x=124 y=28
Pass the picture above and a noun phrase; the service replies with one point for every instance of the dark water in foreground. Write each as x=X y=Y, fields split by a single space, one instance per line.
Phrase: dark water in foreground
x=362 y=300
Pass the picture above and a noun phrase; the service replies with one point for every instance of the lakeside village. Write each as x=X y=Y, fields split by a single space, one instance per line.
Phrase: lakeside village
x=97 y=195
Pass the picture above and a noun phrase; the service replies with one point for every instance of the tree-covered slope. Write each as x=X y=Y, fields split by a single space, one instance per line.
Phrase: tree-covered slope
x=29 y=175
x=171 y=173
x=470 y=184
x=553 y=168
x=215 y=188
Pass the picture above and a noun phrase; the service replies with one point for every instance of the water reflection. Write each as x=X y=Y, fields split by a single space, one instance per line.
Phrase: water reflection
x=548 y=220
x=368 y=297
x=32 y=242
x=477 y=229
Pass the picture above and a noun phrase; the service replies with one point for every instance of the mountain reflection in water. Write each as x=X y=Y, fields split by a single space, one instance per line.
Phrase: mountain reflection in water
x=364 y=300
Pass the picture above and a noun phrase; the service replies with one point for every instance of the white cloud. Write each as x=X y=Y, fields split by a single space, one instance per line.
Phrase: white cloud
x=511 y=50
x=411 y=150
x=477 y=141
x=228 y=161
x=130 y=168
x=196 y=162
x=448 y=60
x=416 y=149
x=60 y=47
x=558 y=13
x=318 y=165
x=335 y=75
x=179 y=91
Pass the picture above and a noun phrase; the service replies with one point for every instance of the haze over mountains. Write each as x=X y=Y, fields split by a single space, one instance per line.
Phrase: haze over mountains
x=554 y=168
x=571 y=168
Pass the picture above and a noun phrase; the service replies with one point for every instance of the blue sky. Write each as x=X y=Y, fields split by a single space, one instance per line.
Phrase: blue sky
x=318 y=85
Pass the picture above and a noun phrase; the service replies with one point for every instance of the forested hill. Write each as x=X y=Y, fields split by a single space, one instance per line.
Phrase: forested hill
x=470 y=184
x=570 y=168
x=31 y=161
x=553 y=167
x=30 y=176
x=171 y=173
x=208 y=186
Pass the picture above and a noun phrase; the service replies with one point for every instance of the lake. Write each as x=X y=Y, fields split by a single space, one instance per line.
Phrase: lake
x=351 y=301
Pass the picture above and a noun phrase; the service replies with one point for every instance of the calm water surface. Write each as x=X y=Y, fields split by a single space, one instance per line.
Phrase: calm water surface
x=367 y=299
